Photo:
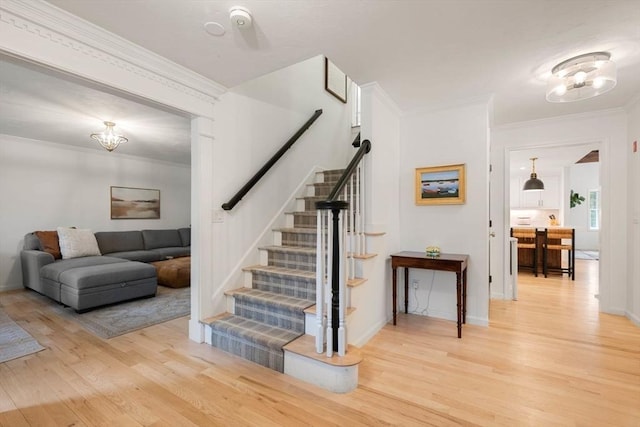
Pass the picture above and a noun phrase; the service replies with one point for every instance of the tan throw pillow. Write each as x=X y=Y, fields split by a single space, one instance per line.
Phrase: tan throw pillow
x=76 y=242
x=49 y=242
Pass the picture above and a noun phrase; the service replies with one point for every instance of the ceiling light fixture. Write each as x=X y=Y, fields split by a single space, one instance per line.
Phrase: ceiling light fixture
x=240 y=17
x=108 y=138
x=582 y=77
x=533 y=183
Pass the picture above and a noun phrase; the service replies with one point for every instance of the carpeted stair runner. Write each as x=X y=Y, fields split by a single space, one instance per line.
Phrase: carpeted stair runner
x=271 y=313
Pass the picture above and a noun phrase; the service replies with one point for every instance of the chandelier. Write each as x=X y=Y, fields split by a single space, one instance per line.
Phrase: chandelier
x=108 y=138
x=581 y=77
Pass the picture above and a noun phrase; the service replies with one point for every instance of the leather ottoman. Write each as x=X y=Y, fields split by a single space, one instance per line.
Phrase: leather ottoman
x=174 y=273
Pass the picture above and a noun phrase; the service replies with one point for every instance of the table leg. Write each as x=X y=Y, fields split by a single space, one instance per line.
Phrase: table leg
x=464 y=296
x=459 y=302
x=406 y=290
x=394 y=292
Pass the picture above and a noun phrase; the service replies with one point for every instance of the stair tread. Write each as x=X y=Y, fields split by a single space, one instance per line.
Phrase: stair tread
x=306 y=344
x=282 y=271
x=356 y=281
x=305 y=213
x=363 y=256
x=253 y=331
x=272 y=298
x=312 y=310
x=299 y=230
x=290 y=249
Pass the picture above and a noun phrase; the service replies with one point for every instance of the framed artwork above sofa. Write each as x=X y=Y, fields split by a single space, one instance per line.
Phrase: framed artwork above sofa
x=135 y=203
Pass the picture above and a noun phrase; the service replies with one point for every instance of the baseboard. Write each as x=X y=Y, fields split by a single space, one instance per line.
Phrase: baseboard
x=11 y=287
x=370 y=333
x=634 y=319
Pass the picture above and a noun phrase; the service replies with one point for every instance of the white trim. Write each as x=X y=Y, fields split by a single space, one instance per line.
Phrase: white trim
x=61 y=27
x=383 y=96
x=557 y=119
x=89 y=150
x=454 y=104
x=635 y=319
x=45 y=35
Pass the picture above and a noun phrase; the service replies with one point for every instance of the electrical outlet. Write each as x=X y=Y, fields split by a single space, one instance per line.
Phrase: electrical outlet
x=415 y=284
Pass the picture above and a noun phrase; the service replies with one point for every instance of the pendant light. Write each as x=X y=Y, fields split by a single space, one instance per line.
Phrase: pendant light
x=533 y=183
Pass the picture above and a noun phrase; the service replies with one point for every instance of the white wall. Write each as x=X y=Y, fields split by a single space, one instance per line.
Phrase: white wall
x=453 y=136
x=609 y=128
x=253 y=121
x=582 y=178
x=45 y=185
x=633 y=193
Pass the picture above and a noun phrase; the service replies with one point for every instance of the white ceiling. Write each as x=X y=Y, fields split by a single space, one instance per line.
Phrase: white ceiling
x=425 y=54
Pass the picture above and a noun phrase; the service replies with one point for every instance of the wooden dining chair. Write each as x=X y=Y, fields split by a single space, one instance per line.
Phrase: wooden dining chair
x=560 y=239
x=528 y=240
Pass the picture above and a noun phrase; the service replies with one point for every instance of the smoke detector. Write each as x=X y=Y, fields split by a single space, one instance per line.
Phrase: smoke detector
x=240 y=17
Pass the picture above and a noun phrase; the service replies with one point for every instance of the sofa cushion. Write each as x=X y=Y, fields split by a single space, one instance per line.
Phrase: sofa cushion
x=142 y=256
x=185 y=236
x=76 y=242
x=49 y=242
x=100 y=275
x=119 y=241
x=174 y=252
x=161 y=238
x=54 y=270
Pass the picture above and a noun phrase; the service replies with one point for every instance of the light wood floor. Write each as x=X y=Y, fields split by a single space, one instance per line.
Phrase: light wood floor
x=548 y=359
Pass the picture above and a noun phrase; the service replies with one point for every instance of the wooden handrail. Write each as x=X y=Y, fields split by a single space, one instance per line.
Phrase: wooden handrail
x=264 y=169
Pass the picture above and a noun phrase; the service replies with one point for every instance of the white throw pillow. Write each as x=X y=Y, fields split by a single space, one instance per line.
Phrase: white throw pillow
x=76 y=242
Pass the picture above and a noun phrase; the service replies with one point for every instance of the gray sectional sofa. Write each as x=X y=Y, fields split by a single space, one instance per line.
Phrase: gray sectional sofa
x=119 y=274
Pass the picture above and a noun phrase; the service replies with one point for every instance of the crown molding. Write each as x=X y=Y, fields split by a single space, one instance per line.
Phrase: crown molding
x=383 y=96
x=484 y=99
x=9 y=139
x=555 y=119
x=69 y=31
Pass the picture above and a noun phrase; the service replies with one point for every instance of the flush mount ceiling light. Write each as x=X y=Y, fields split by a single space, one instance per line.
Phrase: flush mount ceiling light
x=533 y=183
x=581 y=77
x=240 y=17
x=108 y=138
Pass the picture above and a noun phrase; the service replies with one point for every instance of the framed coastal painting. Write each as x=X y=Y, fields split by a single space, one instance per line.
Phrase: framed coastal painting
x=135 y=203
x=440 y=185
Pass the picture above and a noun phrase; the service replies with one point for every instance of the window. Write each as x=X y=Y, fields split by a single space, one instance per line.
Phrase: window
x=355 y=112
x=594 y=209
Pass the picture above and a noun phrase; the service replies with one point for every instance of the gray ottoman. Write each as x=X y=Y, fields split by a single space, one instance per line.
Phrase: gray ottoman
x=87 y=287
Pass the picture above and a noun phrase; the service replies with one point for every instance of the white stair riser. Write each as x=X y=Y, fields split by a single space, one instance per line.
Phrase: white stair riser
x=289 y=220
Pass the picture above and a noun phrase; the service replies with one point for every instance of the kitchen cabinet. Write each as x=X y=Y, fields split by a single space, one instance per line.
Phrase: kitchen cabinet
x=549 y=198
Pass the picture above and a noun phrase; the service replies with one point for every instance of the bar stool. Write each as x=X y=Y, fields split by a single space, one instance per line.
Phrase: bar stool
x=527 y=239
x=557 y=239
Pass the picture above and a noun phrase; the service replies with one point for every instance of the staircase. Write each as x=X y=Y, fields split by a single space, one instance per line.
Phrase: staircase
x=269 y=311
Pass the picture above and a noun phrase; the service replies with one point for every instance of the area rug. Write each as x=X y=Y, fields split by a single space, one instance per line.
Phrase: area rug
x=119 y=319
x=592 y=255
x=14 y=341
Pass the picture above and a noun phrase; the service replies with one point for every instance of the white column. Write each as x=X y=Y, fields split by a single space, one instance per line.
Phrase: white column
x=201 y=224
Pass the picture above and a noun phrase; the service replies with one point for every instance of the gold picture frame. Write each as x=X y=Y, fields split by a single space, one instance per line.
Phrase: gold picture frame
x=441 y=185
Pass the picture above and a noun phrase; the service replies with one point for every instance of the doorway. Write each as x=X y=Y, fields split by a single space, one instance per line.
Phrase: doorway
x=571 y=198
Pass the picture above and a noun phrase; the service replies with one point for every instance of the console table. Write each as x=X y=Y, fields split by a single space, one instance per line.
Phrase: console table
x=456 y=263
